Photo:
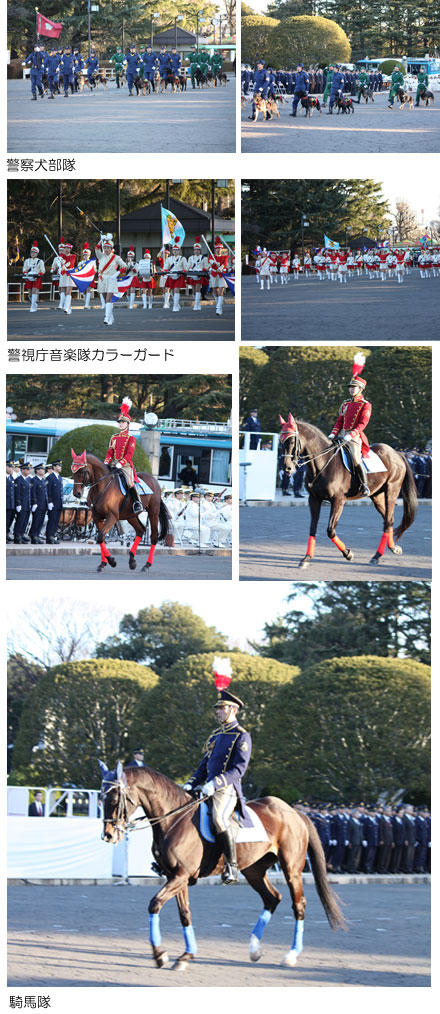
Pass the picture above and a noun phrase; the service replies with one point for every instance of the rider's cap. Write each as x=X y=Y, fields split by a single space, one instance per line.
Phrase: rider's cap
x=125 y=408
x=358 y=365
x=225 y=697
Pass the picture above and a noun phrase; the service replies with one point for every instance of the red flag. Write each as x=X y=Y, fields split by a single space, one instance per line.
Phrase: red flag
x=46 y=27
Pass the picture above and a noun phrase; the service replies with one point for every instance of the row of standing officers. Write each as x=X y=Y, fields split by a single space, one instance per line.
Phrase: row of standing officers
x=33 y=495
x=374 y=839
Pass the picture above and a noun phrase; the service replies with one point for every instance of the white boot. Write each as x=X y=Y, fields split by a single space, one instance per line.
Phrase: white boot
x=219 y=306
x=267 y=283
x=197 y=298
x=87 y=300
x=67 y=302
x=34 y=298
x=176 y=301
x=262 y=285
x=144 y=300
x=103 y=302
x=150 y=299
x=131 y=299
x=62 y=299
x=108 y=319
x=166 y=298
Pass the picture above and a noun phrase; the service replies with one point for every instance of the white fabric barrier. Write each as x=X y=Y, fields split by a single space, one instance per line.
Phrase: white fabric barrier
x=261 y=473
x=133 y=857
x=57 y=848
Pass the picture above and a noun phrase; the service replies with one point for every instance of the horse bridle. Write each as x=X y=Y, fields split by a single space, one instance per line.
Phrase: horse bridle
x=122 y=815
x=295 y=454
x=85 y=481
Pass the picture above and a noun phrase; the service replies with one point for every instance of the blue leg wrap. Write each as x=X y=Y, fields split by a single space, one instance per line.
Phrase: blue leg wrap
x=155 y=936
x=260 y=926
x=190 y=939
x=298 y=937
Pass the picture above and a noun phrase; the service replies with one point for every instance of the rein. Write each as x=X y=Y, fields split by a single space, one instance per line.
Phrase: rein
x=123 y=798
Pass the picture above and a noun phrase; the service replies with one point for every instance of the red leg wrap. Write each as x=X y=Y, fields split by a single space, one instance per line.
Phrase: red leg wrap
x=151 y=554
x=341 y=545
x=104 y=552
x=382 y=544
x=391 y=539
x=311 y=546
x=136 y=542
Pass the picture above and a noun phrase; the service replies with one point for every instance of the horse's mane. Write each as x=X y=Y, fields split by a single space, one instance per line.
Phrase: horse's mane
x=138 y=776
x=315 y=429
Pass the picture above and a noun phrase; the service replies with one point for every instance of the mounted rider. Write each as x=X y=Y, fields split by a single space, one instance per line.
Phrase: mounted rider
x=120 y=454
x=226 y=757
x=354 y=415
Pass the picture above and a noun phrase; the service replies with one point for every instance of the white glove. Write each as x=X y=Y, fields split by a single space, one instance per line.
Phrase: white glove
x=208 y=789
x=347 y=437
x=50 y=506
x=188 y=786
x=18 y=509
x=34 y=507
x=364 y=844
x=118 y=464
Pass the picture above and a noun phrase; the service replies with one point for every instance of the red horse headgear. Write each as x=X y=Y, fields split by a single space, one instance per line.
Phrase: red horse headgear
x=289 y=428
x=79 y=460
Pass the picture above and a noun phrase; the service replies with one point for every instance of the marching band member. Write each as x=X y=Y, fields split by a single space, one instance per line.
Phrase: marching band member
x=265 y=270
x=218 y=265
x=296 y=265
x=33 y=271
x=197 y=273
x=400 y=266
x=176 y=265
x=134 y=284
x=222 y=528
x=86 y=255
x=351 y=264
x=307 y=263
x=342 y=266
x=63 y=263
x=273 y=268
x=108 y=265
x=146 y=280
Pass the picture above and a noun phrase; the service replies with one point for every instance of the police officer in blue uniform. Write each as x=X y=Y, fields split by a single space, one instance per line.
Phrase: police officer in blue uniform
x=164 y=63
x=78 y=66
x=261 y=83
x=219 y=774
x=92 y=64
x=302 y=84
x=338 y=82
x=52 y=67
x=54 y=485
x=36 y=62
x=370 y=830
x=67 y=68
x=22 y=503
x=133 y=62
x=10 y=498
x=176 y=61
x=150 y=63
x=39 y=503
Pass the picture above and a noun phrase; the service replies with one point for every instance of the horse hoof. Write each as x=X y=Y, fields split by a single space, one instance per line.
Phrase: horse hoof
x=181 y=964
x=111 y=560
x=146 y=566
x=101 y=567
x=132 y=561
x=397 y=550
x=290 y=959
x=255 y=951
x=349 y=555
x=161 y=959
x=376 y=558
x=304 y=563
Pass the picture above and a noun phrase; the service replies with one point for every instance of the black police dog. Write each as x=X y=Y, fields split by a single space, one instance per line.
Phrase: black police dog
x=345 y=104
x=309 y=103
x=427 y=97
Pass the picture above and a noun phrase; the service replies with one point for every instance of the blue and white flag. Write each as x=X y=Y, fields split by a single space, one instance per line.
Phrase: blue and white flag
x=84 y=276
x=172 y=229
x=331 y=243
x=123 y=284
x=230 y=282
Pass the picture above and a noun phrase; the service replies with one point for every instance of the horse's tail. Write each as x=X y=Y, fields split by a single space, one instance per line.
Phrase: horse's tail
x=328 y=898
x=164 y=522
x=410 y=503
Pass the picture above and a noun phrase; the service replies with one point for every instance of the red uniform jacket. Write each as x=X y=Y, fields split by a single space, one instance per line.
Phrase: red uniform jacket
x=353 y=417
x=121 y=448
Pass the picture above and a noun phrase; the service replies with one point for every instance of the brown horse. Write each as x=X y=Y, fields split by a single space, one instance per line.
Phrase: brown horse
x=182 y=855
x=110 y=505
x=328 y=479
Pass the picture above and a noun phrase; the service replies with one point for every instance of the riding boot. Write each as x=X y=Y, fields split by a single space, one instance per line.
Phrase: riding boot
x=227 y=842
x=137 y=506
x=362 y=476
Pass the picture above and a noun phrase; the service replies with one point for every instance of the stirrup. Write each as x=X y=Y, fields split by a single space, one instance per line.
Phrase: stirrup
x=137 y=507
x=229 y=874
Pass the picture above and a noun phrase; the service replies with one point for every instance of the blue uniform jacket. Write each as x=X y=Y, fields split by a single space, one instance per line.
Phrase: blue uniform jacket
x=35 y=61
x=302 y=82
x=176 y=61
x=38 y=492
x=53 y=63
x=134 y=61
x=338 y=82
x=22 y=493
x=92 y=64
x=150 y=60
x=54 y=484
x=261 y=82
x=67 y=65
x=227 y=755
x=79 y=63
x=10 y=493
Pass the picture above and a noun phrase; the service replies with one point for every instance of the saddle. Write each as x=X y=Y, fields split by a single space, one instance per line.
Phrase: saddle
x=247 y=828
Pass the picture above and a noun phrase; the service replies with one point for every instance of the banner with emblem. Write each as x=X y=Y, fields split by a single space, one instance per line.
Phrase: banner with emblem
x=46 y=27
x=172 y=229
x=330 y=244
x=123 y=284
x=230 y=282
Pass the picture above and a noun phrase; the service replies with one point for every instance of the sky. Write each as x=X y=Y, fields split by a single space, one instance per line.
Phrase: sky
x=238 y=613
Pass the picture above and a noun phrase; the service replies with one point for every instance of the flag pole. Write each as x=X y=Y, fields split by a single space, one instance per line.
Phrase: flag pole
x=36 y=18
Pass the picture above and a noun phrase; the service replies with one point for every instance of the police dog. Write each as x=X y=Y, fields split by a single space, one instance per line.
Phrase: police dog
x=222 y=78
x=309 y=103
x=267 y=107
x=427 y=97
x=405 y=97
x=345 y=104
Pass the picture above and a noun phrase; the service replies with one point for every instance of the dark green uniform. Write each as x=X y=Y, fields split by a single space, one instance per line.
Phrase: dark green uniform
x=422 y=85
x=328 y=86
x=364 y=82
x=118 y=60
x=397 y=81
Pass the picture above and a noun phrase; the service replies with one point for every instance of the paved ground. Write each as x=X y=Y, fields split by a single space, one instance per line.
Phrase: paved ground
x=195 y=120
x=97 y=936
x=273 y=541
x=50 y=323
x=80 y=568
x=309 y=309
x=371 y=128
